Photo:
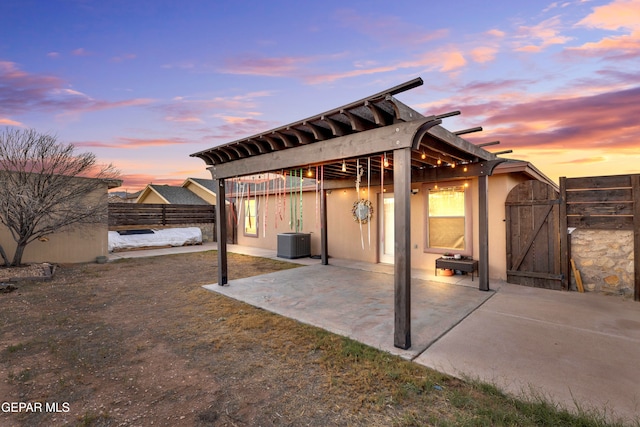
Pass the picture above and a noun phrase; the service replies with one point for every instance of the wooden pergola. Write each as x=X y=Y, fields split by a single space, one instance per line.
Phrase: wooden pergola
x=419 y=148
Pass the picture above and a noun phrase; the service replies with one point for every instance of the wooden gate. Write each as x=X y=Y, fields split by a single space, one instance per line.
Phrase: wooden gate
x=533 y=238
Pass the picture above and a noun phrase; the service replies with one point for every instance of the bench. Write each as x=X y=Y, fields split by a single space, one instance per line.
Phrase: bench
x=466 y=265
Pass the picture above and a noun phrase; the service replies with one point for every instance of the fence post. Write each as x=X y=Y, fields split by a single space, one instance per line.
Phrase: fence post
x=635 y=191
x=564 y=235
x=164 y=214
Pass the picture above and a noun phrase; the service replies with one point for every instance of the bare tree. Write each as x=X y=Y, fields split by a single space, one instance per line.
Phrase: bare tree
x=46 y=187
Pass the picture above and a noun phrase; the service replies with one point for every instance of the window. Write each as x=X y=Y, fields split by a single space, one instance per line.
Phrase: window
x=448 y=219
x=251 y=218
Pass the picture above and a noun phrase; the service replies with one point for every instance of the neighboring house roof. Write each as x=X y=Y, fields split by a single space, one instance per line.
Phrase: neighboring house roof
x=172 y=195
x=207 y=184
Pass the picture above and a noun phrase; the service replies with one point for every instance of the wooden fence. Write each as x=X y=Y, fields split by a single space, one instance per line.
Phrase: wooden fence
x=604 y=203
x=159 y=214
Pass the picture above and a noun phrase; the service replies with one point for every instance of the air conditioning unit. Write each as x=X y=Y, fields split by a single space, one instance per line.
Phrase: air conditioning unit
x=294 y=245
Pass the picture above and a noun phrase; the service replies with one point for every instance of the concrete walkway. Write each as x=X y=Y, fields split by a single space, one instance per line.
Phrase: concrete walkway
x=579 y=350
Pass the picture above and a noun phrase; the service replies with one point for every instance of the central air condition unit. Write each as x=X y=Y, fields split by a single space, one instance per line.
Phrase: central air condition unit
x=294 y=245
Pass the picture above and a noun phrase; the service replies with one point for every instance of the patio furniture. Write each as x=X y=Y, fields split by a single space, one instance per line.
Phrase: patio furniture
x=467 y=265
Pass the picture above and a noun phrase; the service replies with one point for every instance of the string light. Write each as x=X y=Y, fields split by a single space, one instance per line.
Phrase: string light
x=465 y=169
x=386 y=161
x=344 y=166
x=439 y=162
x=453 y=165
x=309 y=173
x=424 y=156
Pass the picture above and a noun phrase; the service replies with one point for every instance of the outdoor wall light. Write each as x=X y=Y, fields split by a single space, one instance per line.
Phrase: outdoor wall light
x=415 y=190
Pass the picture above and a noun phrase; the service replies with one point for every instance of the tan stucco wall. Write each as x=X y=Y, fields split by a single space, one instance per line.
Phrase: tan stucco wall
x=79 y=244
x=152 y=197
x=344 y=233
x=269 y=239
x=202 y=193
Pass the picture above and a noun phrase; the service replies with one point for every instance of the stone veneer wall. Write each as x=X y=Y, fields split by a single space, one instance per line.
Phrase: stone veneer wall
x=604 y=259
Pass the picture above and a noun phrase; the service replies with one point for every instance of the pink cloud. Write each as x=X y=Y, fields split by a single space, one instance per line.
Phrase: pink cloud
x=483 y=54
x=614 y=16
x=482 y=87
x=190 y=110
x=586 y=160
x=388 y=29
x=125 y=57
x=604 y=121
x=9 y=122
x=538 y=37
x=617 y=47
x=133 y=182
x=134 y=143
x=272 y=67
x=495 y=33
x=619 y=15
x=239 y=127
x=447 y=59
x=452 y=61
x=80 y=52
x=21 y=92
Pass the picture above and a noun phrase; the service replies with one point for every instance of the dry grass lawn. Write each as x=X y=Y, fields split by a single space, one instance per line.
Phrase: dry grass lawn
x=139 y=342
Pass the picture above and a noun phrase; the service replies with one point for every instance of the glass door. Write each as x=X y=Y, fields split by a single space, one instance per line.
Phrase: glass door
x=387 y=241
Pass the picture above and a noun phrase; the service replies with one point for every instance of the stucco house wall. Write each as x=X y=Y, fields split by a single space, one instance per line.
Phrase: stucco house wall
x=82 y=243
x=344 y=233
x=151 y=197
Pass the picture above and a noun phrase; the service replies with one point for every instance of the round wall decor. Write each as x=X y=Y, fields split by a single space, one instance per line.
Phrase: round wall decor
x=362 y=211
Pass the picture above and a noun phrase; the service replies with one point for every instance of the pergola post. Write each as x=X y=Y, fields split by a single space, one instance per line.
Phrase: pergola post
x=483 y=231
x=324 y=246
x=402 y=247
x=221 y=232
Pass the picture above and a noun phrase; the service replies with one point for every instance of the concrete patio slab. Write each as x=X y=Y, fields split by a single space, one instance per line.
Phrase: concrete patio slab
x=357 y=303
x=579 y=350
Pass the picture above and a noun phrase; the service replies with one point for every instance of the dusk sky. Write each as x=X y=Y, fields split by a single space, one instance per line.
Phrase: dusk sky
x=143 y=84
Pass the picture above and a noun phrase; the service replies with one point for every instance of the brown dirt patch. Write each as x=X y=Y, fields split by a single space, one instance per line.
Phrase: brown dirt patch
x=139 y=342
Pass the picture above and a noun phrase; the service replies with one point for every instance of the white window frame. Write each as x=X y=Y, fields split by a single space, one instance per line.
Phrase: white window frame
x=468 y=218
x=255 y=216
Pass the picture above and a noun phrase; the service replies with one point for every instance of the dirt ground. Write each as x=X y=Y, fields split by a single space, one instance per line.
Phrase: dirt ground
x=139 y=342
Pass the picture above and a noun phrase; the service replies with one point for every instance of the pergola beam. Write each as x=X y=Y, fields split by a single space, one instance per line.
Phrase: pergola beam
x=374 y=141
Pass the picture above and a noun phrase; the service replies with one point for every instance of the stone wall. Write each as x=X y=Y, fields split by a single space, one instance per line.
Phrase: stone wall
x=604 y=259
